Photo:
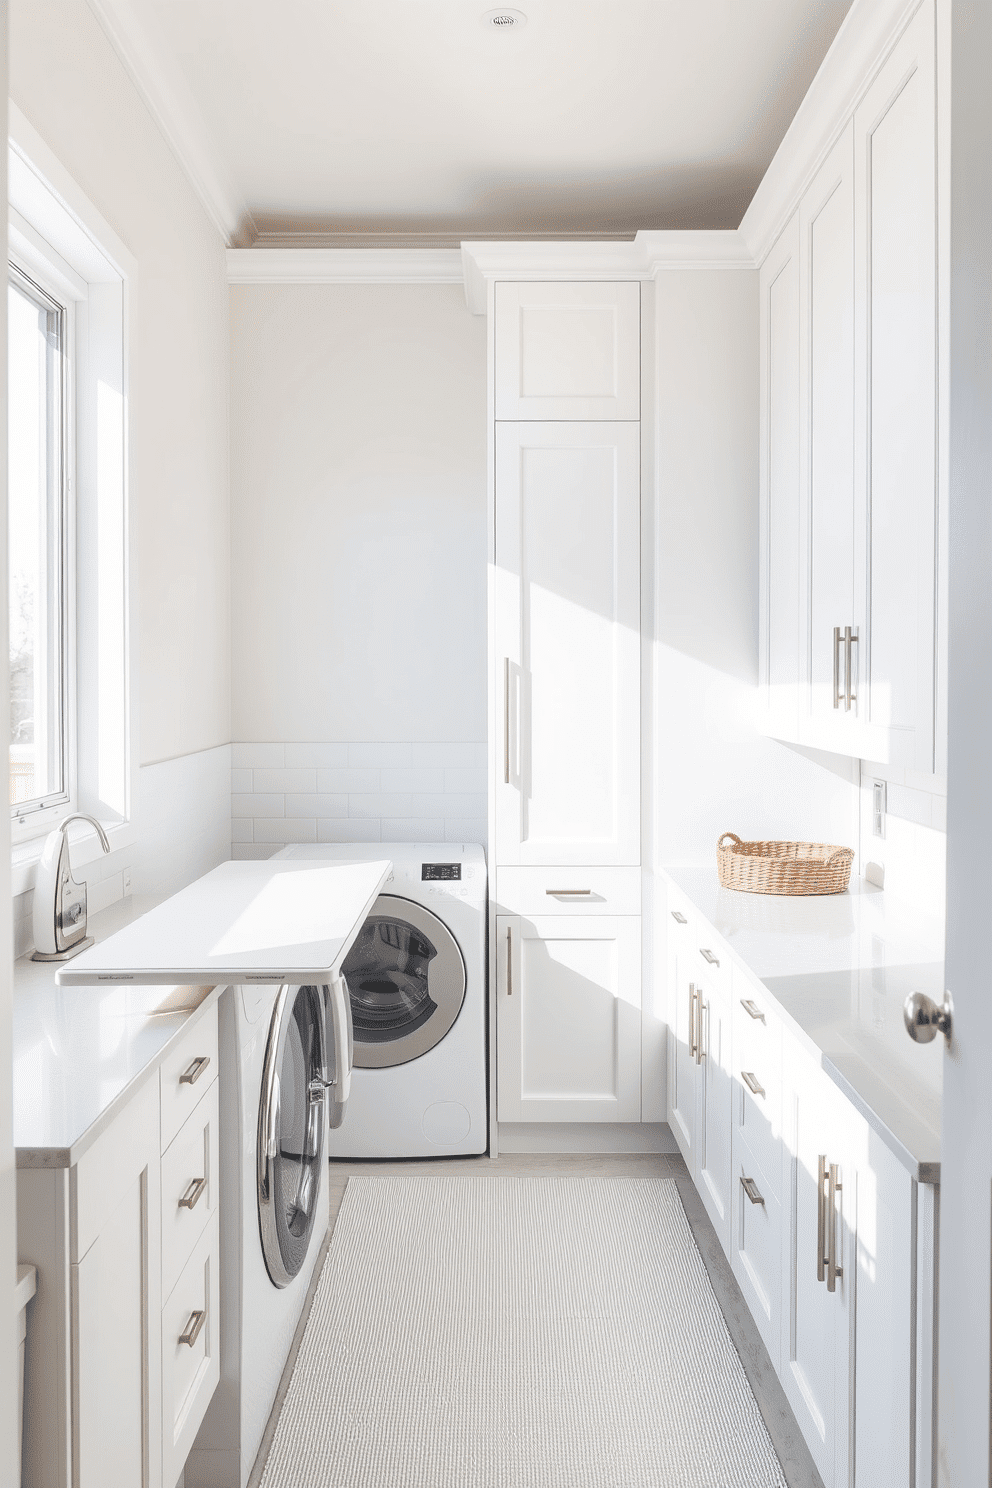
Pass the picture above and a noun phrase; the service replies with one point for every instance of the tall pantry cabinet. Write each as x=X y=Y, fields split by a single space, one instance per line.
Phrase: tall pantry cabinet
x=565 y=664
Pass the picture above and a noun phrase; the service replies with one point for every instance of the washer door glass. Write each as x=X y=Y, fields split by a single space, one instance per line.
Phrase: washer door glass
x=406 y=979
x=291 y=1130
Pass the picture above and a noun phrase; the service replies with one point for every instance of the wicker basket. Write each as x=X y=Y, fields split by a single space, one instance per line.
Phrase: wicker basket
x=782 y=867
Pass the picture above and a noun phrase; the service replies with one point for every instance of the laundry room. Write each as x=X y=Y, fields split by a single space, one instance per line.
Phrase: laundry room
x=484 y=622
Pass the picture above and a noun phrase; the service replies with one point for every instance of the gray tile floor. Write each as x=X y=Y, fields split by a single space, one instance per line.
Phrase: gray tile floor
x=793 y=1453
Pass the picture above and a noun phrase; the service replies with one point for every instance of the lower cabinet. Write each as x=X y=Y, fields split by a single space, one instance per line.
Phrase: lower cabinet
x=568 y=1018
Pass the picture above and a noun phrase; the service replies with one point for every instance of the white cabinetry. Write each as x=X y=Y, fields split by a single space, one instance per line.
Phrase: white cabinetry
x=849 y=313
x=565 y=667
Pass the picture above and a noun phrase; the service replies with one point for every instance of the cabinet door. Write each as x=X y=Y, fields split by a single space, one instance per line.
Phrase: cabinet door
x=826 y=225
x=817 y=1323
x=896 y=481
x=714 y=1177
x=568 y=1018
x=780 y=494
x=568 y=351
x=683 y=1070
x=567 y=624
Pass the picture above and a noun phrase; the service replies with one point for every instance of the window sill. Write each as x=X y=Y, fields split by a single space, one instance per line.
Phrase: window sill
x=25 y=856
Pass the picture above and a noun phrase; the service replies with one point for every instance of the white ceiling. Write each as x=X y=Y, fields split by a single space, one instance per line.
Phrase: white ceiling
x=364 y=118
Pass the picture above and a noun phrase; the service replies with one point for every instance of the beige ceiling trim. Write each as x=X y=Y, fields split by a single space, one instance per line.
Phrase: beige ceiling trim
x=344 y=266
x=868 y=33
x=174 y=114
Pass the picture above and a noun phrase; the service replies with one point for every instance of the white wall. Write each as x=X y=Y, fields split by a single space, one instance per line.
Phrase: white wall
x=713 y=771
x=70 y=83
x=358 y=478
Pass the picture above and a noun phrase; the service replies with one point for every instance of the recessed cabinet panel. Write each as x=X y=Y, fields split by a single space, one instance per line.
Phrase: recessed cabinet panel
x=567 y=639
x=756 y=1251
x=715 y=1113
x=569 y=1019
x=682 y=1024
x=896 y=467
x=568 y=351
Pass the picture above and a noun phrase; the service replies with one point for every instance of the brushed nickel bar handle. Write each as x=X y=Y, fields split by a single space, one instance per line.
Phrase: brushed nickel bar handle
x=192 y=1073
x=821 y=1219
x=709 y=957
x=751 y=1189
x=850 y=639
x=701 y=1009
x=679 y=919
x=836 y=666
x=509 y=963
x=506 y=720
x=193 y=1194
x=693 y=1044
x=834 y=1188
x=568 y=893
x=192 y=1330
x=752 y=1009
x=752 y=1083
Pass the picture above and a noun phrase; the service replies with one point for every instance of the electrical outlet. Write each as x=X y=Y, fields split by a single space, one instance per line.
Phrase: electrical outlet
x=127 y=882
x=878 y=808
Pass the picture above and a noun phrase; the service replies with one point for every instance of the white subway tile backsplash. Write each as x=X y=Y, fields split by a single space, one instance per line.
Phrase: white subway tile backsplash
x=352 y=830
x=357 y=792
x=910 y=805
x=413 y=829
x=286 y=829
x=319 y=756
x=257 y=805
x=243 y=852
x=258 y=756
x=285 y=780
x=318 y=805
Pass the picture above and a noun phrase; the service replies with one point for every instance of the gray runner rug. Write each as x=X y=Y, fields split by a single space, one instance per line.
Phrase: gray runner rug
x=517 y=1333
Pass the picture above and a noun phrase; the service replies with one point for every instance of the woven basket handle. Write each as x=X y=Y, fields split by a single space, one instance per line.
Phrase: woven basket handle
x=733 y=838
x=842 y=853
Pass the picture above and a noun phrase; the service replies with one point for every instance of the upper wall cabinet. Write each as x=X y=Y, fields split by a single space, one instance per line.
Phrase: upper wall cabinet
x=568 y=351
x=567 y=643
x=849 y=433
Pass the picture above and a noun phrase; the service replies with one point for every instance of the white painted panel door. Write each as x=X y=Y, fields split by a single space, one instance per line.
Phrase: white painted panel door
x=568 y=1018
x=817 y=1324
x=826 y=224
x=715 y=1173
x=896 y=484
x=683 y=1070
x=568 y=351
x=781 y=648
x=567 y=618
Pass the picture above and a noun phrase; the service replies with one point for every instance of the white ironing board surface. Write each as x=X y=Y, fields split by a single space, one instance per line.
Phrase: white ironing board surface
x=271 y=921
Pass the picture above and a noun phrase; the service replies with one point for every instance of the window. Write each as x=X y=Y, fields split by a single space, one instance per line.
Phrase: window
x=38 y=490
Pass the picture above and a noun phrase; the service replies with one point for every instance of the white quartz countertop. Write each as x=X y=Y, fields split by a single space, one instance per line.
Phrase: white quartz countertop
x=840 y=967
x=81 y=1052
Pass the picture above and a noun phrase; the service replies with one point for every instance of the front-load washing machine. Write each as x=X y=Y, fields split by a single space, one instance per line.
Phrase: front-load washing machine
x=273 y=1210
x=416 y=977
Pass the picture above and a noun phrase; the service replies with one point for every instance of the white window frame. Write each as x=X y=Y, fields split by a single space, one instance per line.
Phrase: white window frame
x=59 y=239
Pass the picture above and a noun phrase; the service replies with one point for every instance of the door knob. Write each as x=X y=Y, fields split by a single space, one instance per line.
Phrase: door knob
x=925 y=1018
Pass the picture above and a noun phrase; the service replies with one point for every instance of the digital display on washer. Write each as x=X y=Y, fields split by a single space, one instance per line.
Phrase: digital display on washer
x=438 y=872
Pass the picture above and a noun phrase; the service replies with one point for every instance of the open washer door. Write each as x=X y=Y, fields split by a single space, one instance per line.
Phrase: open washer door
x=296 y=1087
x=406 y=980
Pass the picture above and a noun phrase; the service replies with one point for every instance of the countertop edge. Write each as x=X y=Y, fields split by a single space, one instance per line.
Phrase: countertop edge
x=52 y=1158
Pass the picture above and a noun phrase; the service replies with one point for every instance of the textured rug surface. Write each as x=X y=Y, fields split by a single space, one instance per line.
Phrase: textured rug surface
x=517 y=1333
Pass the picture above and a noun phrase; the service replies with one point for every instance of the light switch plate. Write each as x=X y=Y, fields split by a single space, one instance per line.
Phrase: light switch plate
x=878 y=808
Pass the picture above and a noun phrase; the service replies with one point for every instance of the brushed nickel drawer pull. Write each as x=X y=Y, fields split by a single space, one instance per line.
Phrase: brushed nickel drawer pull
x=709 y=957
x=679 y=919
x=752 y=1083
x=834 y=1187
x=190 y=1075
x=568 y=893
x=752 y=1009
x=192 y=1331
x=821 y=1219
x=751 y=1189
x=693 y=1036
x=193 y=1194
x=837 y=695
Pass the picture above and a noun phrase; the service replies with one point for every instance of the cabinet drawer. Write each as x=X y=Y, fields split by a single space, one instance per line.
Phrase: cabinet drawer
x=758 y=1093
x=756 y=1248
x=190 y=1370
x=186 y=1072
x=710 y=959
x=567 y=891
x=189 y=1185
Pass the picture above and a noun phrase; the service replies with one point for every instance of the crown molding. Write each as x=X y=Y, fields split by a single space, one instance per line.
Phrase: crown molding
x=645 y=256
x=173 y=111
x=866 y=36
x=344 y=266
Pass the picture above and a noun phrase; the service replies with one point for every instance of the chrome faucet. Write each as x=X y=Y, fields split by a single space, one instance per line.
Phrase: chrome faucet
x=60 y=902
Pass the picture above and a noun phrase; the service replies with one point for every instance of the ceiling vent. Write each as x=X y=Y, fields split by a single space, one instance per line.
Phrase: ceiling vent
x=504 y=20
